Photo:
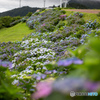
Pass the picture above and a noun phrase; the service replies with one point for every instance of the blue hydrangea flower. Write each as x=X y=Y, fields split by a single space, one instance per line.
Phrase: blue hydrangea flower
x=69 y=61
x=5 y=64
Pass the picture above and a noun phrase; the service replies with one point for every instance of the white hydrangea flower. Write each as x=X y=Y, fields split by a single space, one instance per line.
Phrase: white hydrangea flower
x=15 y=82
x=12 y=76
x=13 y=65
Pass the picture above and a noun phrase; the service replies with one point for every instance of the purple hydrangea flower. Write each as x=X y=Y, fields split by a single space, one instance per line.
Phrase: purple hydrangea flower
x=65 y=85
x=48 y=72
x=43 y=25
x=10 y=64
x=0 y=62
x=62 y=16
x=69 y=61
x=54 y=71
x=60 y=72
x=5 y=64
x=43 y=76
x=90 y=86
x=38 y=78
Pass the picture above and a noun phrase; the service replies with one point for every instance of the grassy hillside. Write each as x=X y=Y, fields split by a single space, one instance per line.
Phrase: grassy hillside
x=15 y=33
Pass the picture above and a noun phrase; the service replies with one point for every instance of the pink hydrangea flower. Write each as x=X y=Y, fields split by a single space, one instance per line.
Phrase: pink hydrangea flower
x=43 y=24
x=44 y=88
x=62 y=16
x=90 y=86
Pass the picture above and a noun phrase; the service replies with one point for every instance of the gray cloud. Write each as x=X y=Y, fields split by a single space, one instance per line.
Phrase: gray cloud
x=10 y=4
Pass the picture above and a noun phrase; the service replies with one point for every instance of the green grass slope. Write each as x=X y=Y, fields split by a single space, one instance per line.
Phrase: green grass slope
x=15 y=33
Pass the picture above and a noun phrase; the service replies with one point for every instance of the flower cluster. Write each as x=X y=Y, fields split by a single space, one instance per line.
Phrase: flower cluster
x=62 y=17
x=92 y=25
x=46 y=21
x=78 y=14
x=5 y=64
x=69 y=61
x=7 y=50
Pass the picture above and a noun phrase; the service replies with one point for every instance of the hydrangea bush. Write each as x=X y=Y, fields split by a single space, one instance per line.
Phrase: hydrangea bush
x=58 y=57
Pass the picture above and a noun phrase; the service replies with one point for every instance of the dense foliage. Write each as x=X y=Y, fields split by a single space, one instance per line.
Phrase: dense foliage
x=60 y=56
x=19 y=11
x=8 y=21
x=83 y=4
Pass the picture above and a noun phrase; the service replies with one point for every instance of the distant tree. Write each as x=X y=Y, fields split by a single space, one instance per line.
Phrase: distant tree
x=6 y=21
x=19 y=11
x=1 y=24
x=53 y=6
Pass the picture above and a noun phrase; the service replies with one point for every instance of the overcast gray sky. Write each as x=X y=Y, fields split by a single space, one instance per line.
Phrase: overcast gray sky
x=10 y=4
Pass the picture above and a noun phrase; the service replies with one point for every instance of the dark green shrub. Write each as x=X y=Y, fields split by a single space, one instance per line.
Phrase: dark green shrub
x=23 y=19
x=54 y=9
x=15 y=22
x=6 y=21
x=60 y=24
x=7 y=90
x=53 y=39
x=58 y=8
x=79 y=33
x=63 y=11
x=98 y=14
x=69 y=33
x=36 y=13
x=1 y=24
x=50 y=27
x=61 y=28
x=30 y=24
x=80 y=21
x=98 y=32
x=29 y=14
x=72 y=21
x=42 y=9
x=80 y=15
x=46 y=27
x=77 y=28
x=43 y=18
x=16 y=18
x=55 y=21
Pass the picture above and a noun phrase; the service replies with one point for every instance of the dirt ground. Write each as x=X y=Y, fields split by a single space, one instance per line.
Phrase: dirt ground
x=84 y=10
